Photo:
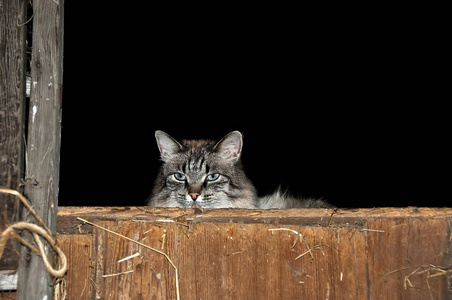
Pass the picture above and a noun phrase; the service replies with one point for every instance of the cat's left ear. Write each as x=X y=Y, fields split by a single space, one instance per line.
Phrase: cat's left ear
x=230 y=147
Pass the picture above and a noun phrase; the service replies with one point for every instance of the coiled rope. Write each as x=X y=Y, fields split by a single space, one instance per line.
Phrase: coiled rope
x=37 y=231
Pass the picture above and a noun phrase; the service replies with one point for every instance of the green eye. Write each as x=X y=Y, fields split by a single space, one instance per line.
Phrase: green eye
x=179 y=176
x=213 y=177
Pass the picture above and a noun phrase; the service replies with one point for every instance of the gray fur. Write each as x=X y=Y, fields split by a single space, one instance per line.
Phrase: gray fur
x=280 y=200
x=183 y=180
x=196 y=159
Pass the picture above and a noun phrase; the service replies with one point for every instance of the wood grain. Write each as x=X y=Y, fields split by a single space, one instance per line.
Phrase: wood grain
x=77 y=249
x=407 y=246
x=44 y=134
x=236 y=254
x=12 y=116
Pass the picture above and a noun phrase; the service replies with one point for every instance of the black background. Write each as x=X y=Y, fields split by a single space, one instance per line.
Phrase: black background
x=338 y=108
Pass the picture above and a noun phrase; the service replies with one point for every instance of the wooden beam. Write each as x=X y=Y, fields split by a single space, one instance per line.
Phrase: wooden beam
x=44 y=134
x=12 y=118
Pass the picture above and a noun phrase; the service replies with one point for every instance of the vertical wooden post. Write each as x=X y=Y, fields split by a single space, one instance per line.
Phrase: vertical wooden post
x=12 y=116
x=44 y=134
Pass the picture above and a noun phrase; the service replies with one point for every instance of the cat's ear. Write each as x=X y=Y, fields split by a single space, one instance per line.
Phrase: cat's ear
x=168 y=146
x=230 y=147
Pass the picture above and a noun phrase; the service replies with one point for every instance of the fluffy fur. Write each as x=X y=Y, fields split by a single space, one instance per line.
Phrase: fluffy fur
x=209 y=174
x=202 y=174
x=281 y=200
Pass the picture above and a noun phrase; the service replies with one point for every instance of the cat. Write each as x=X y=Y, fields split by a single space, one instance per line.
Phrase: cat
x=208 y=174
x=202 y=174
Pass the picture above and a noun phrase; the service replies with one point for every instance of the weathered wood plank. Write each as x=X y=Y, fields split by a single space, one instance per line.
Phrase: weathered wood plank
x=148 y=269
x=68 y=224
x=248 y=216
x=77 y=249
x=12 y=116
x=235 y=254
x=409 y=246
x=43 y=144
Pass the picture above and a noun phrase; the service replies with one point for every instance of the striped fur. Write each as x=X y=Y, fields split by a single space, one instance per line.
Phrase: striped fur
x=209 y=174
x=196 y=160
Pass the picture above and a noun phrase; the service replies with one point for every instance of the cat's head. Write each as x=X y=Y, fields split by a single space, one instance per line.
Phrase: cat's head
x=202 y=174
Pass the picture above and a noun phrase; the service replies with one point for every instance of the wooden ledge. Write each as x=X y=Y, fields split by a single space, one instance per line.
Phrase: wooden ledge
x=68 y=223
x=381 y=253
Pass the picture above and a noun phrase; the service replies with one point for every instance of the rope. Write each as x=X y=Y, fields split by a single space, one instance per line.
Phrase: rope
x=36 y=230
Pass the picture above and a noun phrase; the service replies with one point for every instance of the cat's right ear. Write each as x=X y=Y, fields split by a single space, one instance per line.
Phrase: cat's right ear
x=168 y=146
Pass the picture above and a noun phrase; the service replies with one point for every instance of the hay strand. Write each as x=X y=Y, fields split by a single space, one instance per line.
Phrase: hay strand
x=316 y=247
x=117 y=274
x=440 y=271
x=129 y=257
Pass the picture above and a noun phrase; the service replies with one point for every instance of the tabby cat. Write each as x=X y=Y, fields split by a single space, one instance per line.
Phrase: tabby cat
x=209 y=174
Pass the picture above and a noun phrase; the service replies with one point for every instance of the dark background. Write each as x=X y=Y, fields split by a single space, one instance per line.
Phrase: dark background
x=340 y=108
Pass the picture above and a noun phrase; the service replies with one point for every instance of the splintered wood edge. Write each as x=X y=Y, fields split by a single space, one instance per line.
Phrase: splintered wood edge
x=68 y=223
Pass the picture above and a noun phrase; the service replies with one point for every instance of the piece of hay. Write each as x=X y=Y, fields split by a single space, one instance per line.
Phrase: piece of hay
x=440 y=271
x=129 y=257
x=117 y=274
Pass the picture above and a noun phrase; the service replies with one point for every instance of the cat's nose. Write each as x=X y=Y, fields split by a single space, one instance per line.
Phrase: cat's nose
x=194 y=196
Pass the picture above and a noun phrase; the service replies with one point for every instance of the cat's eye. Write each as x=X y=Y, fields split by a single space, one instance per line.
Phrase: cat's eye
x=213 y=176
x=180 y=176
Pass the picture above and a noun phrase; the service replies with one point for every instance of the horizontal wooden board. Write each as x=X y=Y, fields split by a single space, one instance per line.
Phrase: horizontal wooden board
x=67 y=221
x=384 y=253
